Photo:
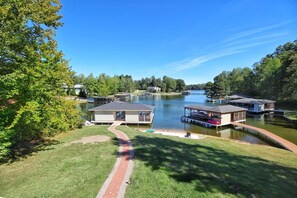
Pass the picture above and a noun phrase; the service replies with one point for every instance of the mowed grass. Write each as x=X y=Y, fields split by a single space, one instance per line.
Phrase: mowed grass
x=176 y=167
x=61 y=169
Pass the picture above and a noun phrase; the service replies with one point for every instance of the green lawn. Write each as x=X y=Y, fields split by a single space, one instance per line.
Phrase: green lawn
x=175 y=167
x=61 y=169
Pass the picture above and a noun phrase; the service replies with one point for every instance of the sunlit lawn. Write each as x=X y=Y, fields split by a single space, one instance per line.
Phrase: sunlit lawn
x=175 y=167
x=60 y=169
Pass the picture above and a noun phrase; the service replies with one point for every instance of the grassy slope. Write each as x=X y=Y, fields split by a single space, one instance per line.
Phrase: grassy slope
x=59 y=170
x=174 y=167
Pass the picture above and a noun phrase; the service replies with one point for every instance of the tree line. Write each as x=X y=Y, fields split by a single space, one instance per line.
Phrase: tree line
x=105 y=85
x=195 y=86
x=273 y=77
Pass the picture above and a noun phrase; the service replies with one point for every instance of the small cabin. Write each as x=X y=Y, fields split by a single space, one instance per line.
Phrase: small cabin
x=214 y=115
x=77 y=88
x=153 y=89
x=128 y=113
x=254 y=105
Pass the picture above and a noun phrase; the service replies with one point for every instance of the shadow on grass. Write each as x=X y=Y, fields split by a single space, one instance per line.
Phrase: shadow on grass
x=215 y=170
x=25 y=149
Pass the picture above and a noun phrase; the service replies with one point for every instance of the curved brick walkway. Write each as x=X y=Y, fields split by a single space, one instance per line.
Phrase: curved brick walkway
x=116 y=183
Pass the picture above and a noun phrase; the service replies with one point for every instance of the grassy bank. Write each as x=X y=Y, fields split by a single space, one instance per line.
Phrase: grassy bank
x=60 y=169
x=175 y=167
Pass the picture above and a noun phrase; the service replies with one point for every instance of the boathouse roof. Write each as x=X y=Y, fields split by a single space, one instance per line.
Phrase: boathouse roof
x=123 y=106
x=216 y=109
x=233 y=97
x=252 y=101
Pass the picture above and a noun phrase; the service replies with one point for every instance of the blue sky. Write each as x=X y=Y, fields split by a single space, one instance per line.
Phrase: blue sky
x=194 y=40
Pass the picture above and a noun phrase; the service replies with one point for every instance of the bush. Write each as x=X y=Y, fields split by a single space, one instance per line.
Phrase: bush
x=6 y=142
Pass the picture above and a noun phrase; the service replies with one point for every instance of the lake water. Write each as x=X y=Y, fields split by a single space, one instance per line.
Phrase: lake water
x=169 y=109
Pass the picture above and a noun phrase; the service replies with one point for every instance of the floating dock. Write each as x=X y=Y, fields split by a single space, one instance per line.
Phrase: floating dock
x=272 y=137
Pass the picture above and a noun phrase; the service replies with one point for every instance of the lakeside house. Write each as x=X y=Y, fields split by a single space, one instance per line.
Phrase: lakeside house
x=77 y=88
x=254 y=105
x=214 y=115
x=153 y=89
x=128 y=113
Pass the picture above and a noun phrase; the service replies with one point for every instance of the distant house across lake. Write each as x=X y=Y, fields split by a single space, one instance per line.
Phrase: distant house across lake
x=77 y=88
x=153 y=89
x=129 y=113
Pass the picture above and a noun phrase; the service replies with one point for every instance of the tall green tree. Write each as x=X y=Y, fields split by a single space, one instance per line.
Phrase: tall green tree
x=209 y=90
x=221 y=85
x=91 y=85
x=113 y=84
x=168 y=84
x=180 y=85
x=32 y=71
x=102 y=84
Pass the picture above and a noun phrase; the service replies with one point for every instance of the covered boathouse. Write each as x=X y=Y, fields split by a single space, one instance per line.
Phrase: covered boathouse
x=128 y=113
x=214 y=116
x=254 y=105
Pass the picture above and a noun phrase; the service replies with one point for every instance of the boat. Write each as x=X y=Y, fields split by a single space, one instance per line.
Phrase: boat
x=90 y=100
x=211 y=100
x=215 y=122
x=186 y=93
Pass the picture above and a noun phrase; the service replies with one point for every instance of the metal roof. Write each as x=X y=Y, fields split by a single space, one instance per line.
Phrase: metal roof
x=251 y=101
x=234 y=97
x=123 y=106
x=217 y=109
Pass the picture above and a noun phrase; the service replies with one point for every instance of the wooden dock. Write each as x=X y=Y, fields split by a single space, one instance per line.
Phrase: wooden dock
x=274 y=138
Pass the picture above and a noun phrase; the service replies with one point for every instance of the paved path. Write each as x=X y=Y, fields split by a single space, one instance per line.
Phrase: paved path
x=284 y=143
x=116 y=183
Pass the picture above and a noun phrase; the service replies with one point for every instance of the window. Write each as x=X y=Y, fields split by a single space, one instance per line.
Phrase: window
x=239 y=116
x=120 y=115
x=144 y=116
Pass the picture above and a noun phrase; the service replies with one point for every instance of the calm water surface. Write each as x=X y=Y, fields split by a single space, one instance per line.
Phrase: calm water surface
x=169 y=109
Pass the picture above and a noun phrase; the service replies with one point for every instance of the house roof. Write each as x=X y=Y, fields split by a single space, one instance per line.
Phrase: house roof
x=78 y=86
x=123 y=106
x=217 y=109
x=252 y=101
x=234 y=97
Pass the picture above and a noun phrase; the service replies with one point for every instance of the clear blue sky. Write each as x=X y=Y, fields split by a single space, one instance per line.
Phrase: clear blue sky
x=193 y=40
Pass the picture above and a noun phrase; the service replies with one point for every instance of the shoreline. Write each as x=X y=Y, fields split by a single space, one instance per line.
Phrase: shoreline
x=181 y=134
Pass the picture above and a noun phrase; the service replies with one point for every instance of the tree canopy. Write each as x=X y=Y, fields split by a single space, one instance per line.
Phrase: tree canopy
x=273 y=77
x=32 y=73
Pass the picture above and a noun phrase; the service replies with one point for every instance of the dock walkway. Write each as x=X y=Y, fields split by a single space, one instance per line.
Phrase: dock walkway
x=281 y=141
